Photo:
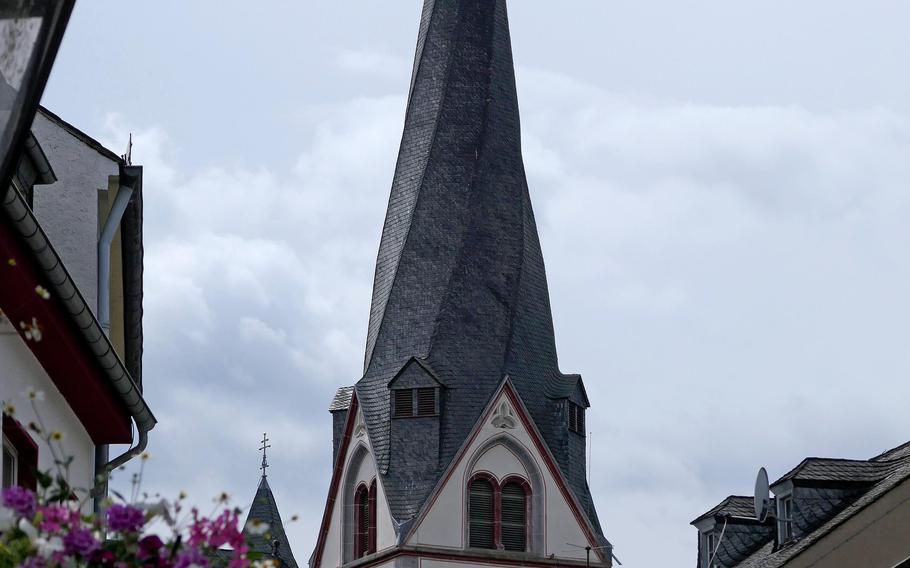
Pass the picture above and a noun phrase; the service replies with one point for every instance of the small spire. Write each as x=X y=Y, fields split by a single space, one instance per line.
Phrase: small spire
x=264 y=447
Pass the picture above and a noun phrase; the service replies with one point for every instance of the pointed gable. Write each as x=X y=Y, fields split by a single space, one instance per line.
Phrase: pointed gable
x=460 y=281
x=506 y=446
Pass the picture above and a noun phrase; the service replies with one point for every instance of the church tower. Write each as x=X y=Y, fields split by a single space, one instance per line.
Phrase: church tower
x=463 y=441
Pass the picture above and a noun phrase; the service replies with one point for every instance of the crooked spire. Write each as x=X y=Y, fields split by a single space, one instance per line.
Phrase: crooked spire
x=460 y=281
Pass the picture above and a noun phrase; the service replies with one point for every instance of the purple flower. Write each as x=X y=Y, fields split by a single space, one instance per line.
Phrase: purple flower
x=191 y=557
x=149 y=547
x=125 y=519
x=80 y=541
x=20 y=500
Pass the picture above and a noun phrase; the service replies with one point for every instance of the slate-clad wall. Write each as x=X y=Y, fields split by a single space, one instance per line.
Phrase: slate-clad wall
x=339 y=417
x=812 y=506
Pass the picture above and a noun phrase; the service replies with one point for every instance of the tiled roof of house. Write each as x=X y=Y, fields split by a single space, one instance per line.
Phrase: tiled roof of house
x=342 y=399
x=735 y=505
x=460 y=280
x=839 y=470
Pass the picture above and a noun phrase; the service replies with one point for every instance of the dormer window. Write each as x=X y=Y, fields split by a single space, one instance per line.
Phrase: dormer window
x=709 y=545
x=418 y=402
x=576 y=418
x=785 y=518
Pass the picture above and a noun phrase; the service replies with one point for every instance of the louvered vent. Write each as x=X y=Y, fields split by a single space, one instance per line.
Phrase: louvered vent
x=404 y=403
x=480 y=514
x=426 y=402
x=514 y=517
x=576 y=418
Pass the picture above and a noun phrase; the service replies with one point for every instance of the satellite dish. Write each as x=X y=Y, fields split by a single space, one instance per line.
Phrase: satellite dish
x=762 y=496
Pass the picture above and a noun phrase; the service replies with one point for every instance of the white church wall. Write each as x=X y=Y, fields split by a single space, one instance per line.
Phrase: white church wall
x=359 y=467
x=495 y=450
x=21 y=371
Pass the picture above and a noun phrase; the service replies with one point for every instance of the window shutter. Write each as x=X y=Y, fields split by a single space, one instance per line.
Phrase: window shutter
x=514 y=517
x=581 y=419
x=480 y=514
x=404 y=403
x=426 y=402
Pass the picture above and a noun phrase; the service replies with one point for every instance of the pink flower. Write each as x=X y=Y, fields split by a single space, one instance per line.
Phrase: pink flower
x=55 y=517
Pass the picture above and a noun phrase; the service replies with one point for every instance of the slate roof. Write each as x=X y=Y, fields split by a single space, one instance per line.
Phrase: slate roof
x=831 y=491
x=265 y=509
x=460 y=280
x=735 y=505
x=342 y=399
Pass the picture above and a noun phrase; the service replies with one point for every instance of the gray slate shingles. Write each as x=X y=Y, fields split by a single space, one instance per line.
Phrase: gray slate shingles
x=460 y=280
x=265 y=509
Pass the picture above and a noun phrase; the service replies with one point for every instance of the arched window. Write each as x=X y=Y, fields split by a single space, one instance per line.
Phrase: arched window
x=514 y=516
x=498 y=515
x=365 y=517
x=481 y=513
x=362 y=515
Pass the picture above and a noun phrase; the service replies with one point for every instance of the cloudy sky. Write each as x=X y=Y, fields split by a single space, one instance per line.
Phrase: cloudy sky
x=721 y=190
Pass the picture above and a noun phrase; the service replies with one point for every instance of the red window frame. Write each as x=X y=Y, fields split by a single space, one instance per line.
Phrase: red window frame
x=497 y=505
x=26 y=452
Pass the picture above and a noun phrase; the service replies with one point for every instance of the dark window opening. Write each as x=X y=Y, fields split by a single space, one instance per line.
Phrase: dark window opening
x=372 y=517
x=9 y=464
x=404 y=403
x=362 y=510
x=576 y=418
x=20 y=455
x=480 y=514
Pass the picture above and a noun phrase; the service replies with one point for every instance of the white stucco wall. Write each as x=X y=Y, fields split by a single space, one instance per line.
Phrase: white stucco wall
x=19 y=371
x=444 y=524
x=359 y=467
x=68 y=208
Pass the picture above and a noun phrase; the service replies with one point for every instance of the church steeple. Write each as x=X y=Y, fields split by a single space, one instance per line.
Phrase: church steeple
x=263 y=527
x=460 y=284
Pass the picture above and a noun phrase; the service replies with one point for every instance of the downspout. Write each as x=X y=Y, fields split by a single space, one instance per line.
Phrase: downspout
x=103 y=464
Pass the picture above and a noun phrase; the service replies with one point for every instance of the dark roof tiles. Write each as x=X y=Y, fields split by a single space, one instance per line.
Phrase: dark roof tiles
x=460 y=280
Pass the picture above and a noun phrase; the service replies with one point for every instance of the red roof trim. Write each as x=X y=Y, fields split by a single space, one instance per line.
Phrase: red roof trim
x=62 y=351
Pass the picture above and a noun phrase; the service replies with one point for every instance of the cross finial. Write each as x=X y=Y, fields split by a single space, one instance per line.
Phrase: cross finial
x=264 y=447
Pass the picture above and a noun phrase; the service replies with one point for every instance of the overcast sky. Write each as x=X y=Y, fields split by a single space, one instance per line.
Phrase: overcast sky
x=721 y=190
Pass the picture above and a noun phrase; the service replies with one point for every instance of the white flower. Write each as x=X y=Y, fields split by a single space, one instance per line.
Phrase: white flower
x=265 y=563
x=29 y=529
x=32 y=331
x=256 y=527
x=35 y=395
x=48 y=546
x=42 y=292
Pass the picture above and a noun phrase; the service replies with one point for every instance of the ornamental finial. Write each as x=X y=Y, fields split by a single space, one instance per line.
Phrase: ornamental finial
x=264 y=447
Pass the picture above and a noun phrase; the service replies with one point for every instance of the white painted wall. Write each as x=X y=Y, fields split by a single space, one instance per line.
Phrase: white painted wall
x=19 y=371
x=444 y=524
x=68 y=209
x=364 y=470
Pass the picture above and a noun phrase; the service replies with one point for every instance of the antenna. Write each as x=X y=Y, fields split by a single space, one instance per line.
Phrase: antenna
x=762 y=496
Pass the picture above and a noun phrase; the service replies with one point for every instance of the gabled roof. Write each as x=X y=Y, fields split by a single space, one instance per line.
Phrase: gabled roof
x=460 y=280
x=838 y=471
x=264 y=509
x=735 y=505
x=342 y=399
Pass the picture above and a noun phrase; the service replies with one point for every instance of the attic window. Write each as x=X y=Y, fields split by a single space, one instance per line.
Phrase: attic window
x=785 y=518
x=576 y=418
x=414 y=402
x=710 y=544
